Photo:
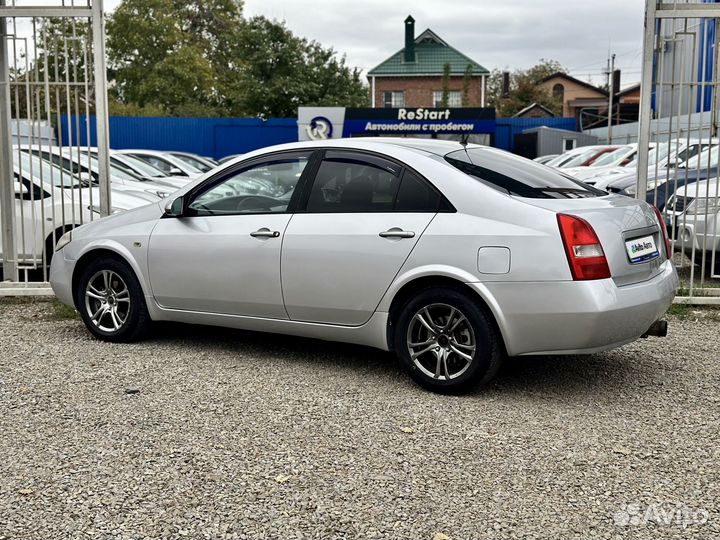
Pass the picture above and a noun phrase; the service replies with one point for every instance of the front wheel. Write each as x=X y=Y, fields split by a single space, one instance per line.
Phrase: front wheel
x=111 y=301
x=446 y=342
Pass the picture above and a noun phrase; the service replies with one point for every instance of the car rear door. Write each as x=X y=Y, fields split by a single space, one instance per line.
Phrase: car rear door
x=360 y=218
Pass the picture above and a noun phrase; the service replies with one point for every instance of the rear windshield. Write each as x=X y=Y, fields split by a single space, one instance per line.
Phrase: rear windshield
x=518 y=176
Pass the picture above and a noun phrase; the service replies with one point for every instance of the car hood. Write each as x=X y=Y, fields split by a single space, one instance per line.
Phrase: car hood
x=102 y=226
x=705 y=188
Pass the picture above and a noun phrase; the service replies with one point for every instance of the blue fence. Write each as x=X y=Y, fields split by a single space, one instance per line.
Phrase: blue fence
x=214 y=137
x=507 y=128
x=220 y=137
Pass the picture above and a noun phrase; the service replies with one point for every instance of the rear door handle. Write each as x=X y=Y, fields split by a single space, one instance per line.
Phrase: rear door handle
x=265 y=233
x=397 y=232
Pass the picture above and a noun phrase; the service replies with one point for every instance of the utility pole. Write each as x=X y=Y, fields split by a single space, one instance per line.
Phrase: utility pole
x=611 y=85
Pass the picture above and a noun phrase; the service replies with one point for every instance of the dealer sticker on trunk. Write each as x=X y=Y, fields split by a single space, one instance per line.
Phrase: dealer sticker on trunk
x=642 y=249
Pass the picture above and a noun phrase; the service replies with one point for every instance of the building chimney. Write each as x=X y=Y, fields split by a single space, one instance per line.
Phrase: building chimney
x=505 y=85
x=409 y=55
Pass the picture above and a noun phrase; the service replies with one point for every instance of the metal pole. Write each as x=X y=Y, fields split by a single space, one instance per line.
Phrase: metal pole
x=101 y=107
x=610 y=99
x=7 y=183
x=646 y=86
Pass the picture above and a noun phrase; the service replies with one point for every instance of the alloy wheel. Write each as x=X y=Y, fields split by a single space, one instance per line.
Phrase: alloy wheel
x=441 y=341
x=107 y=300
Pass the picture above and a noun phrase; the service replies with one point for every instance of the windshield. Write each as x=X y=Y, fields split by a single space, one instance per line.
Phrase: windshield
x=560 y=160
x=193 y=162
x=518 y=176
x=46 y=172
x=90 y=164
x=661 y=151
x=611 y=157
x=143 y=167
x=580 y=158
x=707 y=158
x=689 y=152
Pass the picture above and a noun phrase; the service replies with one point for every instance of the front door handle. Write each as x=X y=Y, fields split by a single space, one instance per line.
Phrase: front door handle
x=265 y=233
x=397 y=232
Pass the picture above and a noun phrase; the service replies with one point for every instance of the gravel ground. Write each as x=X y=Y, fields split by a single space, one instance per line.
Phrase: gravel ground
x=208 y=433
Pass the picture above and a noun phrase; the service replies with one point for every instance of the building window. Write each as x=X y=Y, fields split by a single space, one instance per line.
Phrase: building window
x=559 y=92
x=393 y=99
x=454 y=98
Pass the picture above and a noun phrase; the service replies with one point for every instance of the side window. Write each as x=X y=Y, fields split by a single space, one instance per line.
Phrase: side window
x=353 y=182
x=415 y=195
x=33 y=191
x=261 y=188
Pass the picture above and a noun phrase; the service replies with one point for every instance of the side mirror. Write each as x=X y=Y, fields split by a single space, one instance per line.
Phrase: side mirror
x=86 y=177
x=20 y=188
x=177 y=172
x=175 y=207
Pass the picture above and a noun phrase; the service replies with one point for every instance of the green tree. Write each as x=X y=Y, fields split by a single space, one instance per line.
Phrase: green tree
x=173 y=54
x=445 y=86
x=524 y=89
x=467 y=81
x=283 y=71
x=204 y=59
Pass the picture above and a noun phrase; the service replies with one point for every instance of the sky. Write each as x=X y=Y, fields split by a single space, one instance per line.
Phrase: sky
x=507 y=34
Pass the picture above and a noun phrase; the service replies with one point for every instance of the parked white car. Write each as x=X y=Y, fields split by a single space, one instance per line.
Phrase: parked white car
x=50 y=201
x=85 y=167
x=693 y=218
x=164 y=161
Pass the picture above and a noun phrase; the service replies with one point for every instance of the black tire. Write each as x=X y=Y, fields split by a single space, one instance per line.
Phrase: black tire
x=135 y=317
x=486 y=356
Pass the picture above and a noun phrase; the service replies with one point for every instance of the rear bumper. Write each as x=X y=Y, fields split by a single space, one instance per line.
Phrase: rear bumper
x=579 y=317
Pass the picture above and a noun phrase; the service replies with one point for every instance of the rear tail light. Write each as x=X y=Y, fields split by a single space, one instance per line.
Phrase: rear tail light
x=582 y=246
x=663 y=228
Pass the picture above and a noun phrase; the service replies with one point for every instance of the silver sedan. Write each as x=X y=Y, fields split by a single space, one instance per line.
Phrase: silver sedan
x=452 y=256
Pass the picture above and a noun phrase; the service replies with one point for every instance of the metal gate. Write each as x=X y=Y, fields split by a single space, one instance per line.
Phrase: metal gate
x=52 y=66
x=679 y=116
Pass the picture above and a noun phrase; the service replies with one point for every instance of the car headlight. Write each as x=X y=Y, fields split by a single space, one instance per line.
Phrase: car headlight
x=114 y=210
x=63 y=241
x=703 y=206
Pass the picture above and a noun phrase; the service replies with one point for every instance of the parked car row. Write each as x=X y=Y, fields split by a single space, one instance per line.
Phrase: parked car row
x=682 y=183
x=56 y=189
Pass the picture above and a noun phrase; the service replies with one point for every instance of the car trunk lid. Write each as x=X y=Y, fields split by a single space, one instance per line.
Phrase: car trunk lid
x=620 y=223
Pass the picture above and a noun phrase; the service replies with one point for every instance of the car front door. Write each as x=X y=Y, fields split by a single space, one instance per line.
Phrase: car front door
x=223 y=254
x=359 y=220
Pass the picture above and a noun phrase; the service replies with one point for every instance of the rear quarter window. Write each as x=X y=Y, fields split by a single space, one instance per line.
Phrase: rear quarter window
x=518 y=176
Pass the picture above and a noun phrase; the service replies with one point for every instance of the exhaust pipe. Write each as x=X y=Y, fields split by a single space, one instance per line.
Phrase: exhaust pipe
x=657 y=329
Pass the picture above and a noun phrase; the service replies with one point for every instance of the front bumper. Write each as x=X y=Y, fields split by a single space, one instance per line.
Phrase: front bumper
x=579 y=317
x=61 y=273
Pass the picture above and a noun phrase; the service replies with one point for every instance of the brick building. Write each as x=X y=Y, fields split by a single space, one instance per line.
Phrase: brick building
x=576 y=95
x=413 y=76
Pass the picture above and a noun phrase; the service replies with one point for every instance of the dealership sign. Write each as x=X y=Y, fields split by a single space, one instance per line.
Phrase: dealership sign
x=333 y=122
x=424 y=121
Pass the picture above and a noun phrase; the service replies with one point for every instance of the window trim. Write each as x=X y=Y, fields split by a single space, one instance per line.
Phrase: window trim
x=392 y=104
x=225 y=174
x=444 y=205
x=437 y=102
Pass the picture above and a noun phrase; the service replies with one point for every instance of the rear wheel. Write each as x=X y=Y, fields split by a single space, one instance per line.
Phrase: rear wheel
x=446 y=342
x=111 y=301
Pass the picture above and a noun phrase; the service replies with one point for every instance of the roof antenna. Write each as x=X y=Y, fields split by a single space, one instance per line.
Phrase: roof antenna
x=464 y=139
